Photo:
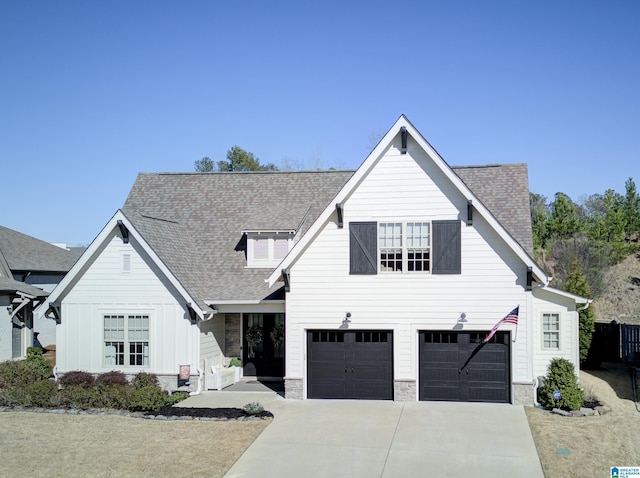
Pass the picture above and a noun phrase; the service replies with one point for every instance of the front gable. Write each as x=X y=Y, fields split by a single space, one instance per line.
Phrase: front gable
x=404 y=179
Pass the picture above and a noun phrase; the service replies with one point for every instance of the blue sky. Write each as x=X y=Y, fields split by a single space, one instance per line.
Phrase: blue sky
x=92 y=93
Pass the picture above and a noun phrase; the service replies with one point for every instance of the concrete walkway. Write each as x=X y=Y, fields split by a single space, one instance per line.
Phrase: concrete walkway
x=330 y=438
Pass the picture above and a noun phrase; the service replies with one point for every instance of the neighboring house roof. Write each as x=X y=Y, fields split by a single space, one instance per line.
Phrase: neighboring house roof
x=26 y=253
x=10 y=285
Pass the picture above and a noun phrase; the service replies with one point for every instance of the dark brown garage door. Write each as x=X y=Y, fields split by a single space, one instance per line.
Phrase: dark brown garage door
x=457 y=366
x=350 y=364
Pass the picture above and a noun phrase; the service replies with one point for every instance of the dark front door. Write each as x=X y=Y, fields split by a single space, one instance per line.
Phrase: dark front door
x=350 y=364
x=457 y=366
x=263 y=345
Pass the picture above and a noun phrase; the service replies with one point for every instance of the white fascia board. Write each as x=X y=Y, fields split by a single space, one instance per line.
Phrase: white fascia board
x=62 y=288
x=577 y=298
x=364 y=169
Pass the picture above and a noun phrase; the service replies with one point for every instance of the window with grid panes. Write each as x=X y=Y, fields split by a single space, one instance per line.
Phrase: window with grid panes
x=404 y=246
x=551 y=331
x=126 y=340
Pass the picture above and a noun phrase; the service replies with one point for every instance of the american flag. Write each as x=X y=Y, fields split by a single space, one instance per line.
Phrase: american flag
x=511 y=318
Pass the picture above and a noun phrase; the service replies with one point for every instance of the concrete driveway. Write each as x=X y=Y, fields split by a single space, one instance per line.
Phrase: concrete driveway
x=330 y=438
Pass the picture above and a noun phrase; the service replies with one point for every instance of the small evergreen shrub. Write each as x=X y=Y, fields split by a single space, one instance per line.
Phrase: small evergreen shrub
x=22 y=372
x=561 y=380
x=235 y=362
x=79 y=397
x=40 y=365
x=77 y=378
x=115 y=377
x=113 y=396
x=144 y=379
x=148 y=399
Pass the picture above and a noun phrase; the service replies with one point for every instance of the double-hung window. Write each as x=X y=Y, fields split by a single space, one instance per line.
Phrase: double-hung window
x=126 y=340
x=404 y=246
x=551 y=331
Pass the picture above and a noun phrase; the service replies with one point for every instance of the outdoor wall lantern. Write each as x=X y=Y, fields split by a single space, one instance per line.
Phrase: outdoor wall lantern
x=463 y=318
x=347 y=320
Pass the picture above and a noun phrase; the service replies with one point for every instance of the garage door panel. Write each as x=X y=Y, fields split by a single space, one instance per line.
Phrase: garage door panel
x=358 y=364
x=457 y=366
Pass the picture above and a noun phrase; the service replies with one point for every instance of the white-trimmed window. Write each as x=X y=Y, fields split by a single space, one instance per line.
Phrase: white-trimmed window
x=126 y=340
x=551 y=331
x=404 y=246
x=267 y=249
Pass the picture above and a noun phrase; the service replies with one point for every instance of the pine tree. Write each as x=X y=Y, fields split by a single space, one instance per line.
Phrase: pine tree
x=576 y=283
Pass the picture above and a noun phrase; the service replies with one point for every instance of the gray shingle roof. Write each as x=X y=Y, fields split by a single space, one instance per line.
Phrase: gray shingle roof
x=504 y=190
x=194 y=221
x=26 y=253
x=10 y=285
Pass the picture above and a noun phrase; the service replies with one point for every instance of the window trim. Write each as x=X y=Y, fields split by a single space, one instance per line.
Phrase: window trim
x=404 y=248
x=543 y=331
x=126 y=342
x=271 y=260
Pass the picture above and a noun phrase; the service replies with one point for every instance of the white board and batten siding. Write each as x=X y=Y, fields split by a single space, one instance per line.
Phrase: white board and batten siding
x=545 y=302
x=122 y=279
x=404 y=188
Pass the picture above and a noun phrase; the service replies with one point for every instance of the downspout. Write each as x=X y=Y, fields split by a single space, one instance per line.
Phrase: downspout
x=199 y=388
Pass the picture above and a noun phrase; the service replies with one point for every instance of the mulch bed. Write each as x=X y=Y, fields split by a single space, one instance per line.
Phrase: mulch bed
x=219 y=413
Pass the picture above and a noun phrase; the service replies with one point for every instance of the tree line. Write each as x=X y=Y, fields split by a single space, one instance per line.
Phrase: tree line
x=595 y=234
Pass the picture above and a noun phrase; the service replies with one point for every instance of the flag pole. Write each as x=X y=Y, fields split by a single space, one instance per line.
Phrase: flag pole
x=515 y=337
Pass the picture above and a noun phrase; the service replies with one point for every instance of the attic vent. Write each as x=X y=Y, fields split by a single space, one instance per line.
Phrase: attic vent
x=126 y=262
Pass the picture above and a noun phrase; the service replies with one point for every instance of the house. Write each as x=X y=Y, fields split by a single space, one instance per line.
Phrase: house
x=29 y=270
x=381 y=283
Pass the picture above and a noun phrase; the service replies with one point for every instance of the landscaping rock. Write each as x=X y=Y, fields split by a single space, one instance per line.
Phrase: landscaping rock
x=559 y=411
x=587 y=412
x=603 y=409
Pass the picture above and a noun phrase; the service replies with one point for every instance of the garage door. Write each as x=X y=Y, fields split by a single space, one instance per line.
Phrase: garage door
x=350 y=364
x=458 y=366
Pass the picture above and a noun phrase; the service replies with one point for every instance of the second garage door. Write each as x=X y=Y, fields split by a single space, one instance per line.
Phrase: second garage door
x=458 y=366
x=350 y=364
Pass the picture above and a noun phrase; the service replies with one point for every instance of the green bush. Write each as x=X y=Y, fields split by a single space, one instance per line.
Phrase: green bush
x=17 y=373
x=144 y=379
x=41 y=366
x=148 y=399
x=42 y=393
x=114 y=377
x=78 y=378
x=561 y=377
x=113 y=396
x=235 y=362
x=77 y=396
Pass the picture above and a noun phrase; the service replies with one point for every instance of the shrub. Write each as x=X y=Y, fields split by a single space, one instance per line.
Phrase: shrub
x=114 y=377
x=77 y=378
x=144 y=379
x=16 y=373
x=43 y=393
x=561 y=377
x=235 y=362
x=113 y=396
x=40 y=365
x=80 y=397
x=148 y=399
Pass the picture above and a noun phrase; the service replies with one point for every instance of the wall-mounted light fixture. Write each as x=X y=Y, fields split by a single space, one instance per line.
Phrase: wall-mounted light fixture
x=463 y=318
x=347 y=320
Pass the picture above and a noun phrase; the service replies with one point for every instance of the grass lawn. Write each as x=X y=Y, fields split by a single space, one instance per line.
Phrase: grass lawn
x=588 y=446
x=51 y=445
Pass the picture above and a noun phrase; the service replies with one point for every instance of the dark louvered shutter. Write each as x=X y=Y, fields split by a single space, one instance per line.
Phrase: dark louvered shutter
x=446 y=247
x=363 y=245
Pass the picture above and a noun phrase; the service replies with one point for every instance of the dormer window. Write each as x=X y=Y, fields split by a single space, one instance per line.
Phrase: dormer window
x=267 y=248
